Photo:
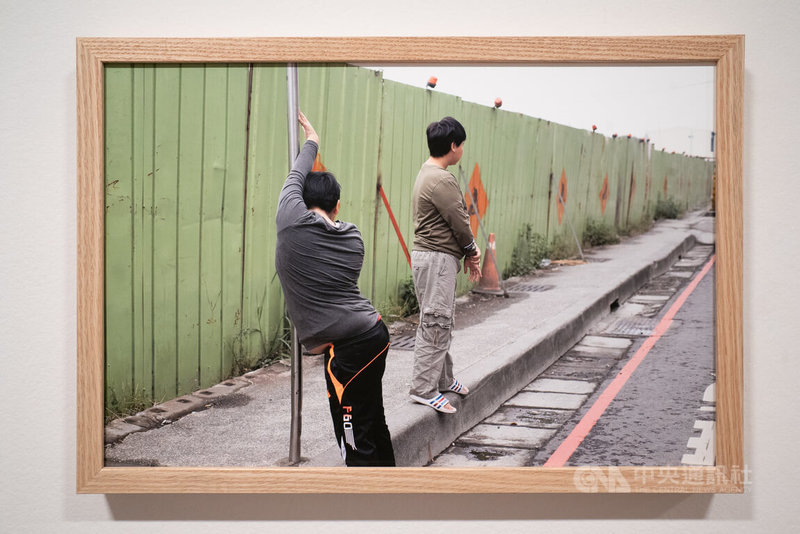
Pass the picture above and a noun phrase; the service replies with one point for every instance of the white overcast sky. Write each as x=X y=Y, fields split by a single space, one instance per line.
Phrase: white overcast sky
x=674 y=106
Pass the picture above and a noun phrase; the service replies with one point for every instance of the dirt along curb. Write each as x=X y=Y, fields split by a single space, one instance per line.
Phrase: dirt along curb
x=170 y=411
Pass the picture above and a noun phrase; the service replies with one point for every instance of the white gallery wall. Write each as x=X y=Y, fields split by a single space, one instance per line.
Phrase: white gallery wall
x=38 y=257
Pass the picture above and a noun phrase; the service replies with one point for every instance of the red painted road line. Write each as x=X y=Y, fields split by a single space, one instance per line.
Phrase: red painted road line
x=582 y=429
x=394 y=223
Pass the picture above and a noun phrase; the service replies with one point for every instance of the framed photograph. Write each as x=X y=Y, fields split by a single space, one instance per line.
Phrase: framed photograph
x=96 y=57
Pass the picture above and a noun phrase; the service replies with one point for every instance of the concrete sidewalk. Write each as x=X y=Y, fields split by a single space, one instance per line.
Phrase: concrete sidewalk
x=246 y=420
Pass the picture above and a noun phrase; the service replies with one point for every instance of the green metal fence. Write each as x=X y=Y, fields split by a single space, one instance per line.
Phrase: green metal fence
x=174 y=160
x=196 y=156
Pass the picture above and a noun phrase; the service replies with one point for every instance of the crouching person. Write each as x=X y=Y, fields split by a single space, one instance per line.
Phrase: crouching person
x=318 y=260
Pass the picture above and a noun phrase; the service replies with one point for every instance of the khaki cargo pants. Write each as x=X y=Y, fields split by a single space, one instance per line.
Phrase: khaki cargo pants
x=435 y=284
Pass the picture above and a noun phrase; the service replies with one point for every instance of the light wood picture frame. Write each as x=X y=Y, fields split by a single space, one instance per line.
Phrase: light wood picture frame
x=725 y=53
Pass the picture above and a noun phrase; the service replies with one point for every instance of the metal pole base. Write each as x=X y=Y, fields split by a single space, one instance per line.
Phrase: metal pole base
x=286 y=462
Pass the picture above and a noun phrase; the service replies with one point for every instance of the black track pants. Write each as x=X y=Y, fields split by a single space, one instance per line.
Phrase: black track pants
x=353 y=372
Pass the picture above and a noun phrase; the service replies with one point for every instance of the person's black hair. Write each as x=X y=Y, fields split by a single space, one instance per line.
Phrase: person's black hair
x=442 y=134
x=321 y=190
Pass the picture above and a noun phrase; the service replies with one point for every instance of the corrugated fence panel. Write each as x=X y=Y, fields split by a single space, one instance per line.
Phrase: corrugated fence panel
x=636 y=193
x=481 y=157
x=701 y=181
x=120 y=201
x=565 y=186
x=166 y=128
x=268 y=165
x=233 y=211
x=344 y=105
x=581 y=147
x=649 y=196
x=142 y=243
x=509 y=182
x=499 y=148
x=171 y=142
x=402 y=151
x=542 y=147
x=597 y=192
x=189 y=206
x=658 y=174
x=617 y=166
x=666 y=175
x=225 y=119
x=529 y=193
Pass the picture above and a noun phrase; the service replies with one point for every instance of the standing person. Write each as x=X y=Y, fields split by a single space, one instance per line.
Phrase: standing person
x=319 y=260
x=442 y=236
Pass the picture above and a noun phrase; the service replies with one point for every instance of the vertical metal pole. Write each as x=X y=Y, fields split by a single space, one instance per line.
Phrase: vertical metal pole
x=297 y=361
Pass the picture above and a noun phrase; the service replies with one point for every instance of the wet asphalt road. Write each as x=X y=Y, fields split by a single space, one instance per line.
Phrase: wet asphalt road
x=662 y=416
x=653 y=417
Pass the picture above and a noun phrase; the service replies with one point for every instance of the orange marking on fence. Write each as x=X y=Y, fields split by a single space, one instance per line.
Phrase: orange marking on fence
x=394 y=223
x=318 y=166
x=604 y=195
x=562 y=195
x=476 y=189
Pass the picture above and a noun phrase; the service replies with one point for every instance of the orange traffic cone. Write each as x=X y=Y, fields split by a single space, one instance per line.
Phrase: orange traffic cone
x=490 y=281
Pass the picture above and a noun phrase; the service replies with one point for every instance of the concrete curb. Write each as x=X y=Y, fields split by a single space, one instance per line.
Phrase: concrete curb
x=171 y=410
x=419 y=433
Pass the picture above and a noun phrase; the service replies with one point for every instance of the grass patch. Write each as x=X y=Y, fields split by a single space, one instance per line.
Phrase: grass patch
x=530 y=249
x=408 y=297
x=563 y=247
x=404 y=304
x=124 y=405
x=667 y=209
x=643 y=225
x=599 y=232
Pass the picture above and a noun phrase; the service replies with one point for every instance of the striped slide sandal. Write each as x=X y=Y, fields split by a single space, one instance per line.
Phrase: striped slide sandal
x=438 y=403
x=458 y=387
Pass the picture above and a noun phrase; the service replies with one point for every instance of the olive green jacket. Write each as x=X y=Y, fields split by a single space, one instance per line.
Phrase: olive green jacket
x=441 y=222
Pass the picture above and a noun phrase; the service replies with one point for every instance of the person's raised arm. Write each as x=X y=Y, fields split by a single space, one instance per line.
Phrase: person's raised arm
x=290 y=203
x=308 y=130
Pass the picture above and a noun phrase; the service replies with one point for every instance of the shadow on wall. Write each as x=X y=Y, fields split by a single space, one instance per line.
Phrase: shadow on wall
x=417 y=507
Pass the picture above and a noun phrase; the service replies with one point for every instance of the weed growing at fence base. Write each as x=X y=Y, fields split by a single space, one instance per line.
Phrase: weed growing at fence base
x=599 y=232
x=563 y=247
x=126 y=404
x=530 y=249
x=643 y=225
x=408 y=297
x=668 y=209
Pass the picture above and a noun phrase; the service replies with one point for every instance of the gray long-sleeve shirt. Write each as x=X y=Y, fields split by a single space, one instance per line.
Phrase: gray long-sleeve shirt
x=319 y=265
